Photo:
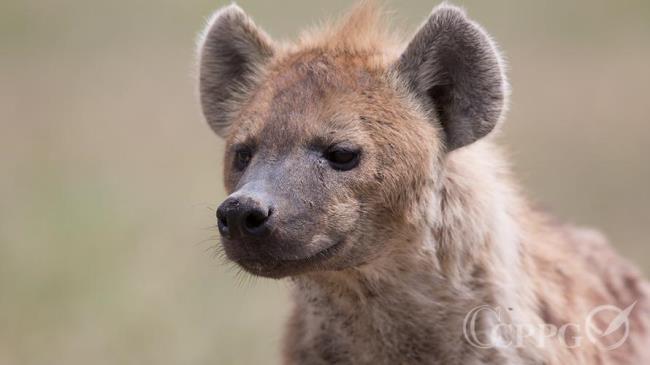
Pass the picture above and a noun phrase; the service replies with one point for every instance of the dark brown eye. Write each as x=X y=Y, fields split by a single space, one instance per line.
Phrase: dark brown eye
x=242 y=158
x=342 y=159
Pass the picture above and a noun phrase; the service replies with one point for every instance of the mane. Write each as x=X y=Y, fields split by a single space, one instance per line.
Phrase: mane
x=363 y=29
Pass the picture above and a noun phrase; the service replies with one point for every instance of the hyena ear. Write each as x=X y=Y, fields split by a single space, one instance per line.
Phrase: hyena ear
x=232 y=51
x=455 y=70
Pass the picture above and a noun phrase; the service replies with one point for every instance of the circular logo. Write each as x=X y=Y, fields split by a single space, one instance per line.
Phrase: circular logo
x=608 y=326
x=473 y=335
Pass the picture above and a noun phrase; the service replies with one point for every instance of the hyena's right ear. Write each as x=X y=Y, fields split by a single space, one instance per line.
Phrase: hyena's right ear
x=232 y=50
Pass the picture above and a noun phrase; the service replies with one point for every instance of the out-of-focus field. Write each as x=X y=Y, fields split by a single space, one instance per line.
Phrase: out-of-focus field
x=109 y=176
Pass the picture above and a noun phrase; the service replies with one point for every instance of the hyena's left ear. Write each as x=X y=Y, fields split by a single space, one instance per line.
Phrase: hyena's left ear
x=455 y=71
x=232 y=51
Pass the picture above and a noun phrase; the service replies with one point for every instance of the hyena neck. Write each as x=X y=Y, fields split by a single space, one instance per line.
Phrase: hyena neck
x=464 y=254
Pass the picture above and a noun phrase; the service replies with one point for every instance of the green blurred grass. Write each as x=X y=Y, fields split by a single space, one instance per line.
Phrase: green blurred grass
x=110 y=176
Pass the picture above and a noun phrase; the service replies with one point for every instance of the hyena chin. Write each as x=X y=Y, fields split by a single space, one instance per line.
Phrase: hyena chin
x=366 y=172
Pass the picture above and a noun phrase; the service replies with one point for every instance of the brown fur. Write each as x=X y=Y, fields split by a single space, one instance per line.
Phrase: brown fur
x=432 y=226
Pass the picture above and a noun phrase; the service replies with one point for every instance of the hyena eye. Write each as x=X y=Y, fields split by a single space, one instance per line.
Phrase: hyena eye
x=242 y=158
x=343 y=159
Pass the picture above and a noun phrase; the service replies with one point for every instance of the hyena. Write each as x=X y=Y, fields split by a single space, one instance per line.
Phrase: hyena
x=367 y=173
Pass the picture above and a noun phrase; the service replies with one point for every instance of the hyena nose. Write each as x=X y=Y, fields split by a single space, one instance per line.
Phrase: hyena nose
x=243 y=217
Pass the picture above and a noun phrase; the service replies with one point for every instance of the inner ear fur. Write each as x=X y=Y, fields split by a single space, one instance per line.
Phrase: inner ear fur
x=454 y=69
x=232 y=50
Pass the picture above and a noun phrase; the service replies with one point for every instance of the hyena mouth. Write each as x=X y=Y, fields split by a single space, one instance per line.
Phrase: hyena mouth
x=275 y=268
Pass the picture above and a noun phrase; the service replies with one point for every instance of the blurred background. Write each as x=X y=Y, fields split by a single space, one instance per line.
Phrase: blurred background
x=110 y=177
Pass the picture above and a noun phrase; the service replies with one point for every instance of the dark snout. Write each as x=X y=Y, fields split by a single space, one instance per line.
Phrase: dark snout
x=244 y=217
x=270 y=231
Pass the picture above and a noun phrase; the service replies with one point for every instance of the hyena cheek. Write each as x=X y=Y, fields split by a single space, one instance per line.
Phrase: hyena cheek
x=342 y=217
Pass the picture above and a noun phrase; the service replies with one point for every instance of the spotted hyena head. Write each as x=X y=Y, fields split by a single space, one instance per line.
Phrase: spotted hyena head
x=331 y=142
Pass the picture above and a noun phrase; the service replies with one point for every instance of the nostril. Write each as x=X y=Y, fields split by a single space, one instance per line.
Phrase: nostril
x=255 y=219
x=243 y=217
x=256 y=223
x=221 y=217
x=222 y=223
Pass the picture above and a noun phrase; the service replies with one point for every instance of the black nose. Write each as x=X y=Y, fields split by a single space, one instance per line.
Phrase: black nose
x=243 y=216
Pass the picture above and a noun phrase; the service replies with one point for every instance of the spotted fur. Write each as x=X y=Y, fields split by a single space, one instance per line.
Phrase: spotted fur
x=432 y=224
